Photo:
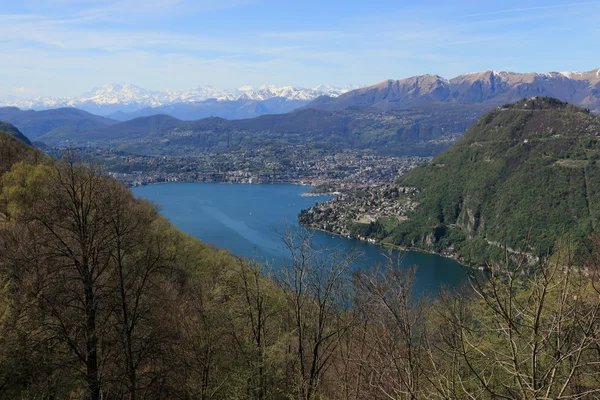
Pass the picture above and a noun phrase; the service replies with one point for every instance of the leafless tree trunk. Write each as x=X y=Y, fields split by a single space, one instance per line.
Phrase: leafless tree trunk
x=140 y=264
x=317 y=286
x=396 y=332
x=259 y=310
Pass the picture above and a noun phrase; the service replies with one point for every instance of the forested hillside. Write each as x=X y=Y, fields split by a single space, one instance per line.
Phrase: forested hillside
x=526 y=172
x=13 y=131
x=14 y=147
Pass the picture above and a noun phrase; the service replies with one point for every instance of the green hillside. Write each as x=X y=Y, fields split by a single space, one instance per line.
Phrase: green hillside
x=13 y=131
x=524 y=169
x=14 y=147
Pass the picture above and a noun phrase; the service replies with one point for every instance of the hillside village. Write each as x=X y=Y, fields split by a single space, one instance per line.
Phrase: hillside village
x=350 y=213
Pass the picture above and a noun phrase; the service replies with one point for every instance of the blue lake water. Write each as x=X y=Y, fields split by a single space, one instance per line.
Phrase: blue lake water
x=246 y=219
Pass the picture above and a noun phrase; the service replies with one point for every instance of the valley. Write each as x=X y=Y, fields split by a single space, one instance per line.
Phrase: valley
x=374 y=144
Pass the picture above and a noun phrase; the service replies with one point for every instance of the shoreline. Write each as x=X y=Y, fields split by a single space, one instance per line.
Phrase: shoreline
x=396 y=247
x=296 y=183
x=219 y=183
x=312 y=194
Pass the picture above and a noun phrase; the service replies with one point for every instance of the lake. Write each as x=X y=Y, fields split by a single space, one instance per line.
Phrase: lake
x=245 y=220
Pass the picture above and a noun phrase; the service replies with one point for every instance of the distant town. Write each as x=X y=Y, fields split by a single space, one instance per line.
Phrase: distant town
x=327 y=170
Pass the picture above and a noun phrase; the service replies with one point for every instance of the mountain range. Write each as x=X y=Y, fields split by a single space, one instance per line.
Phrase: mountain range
x=126 y=98
x=424 y=130
x=123 y=102
x=416 y=116
x=228 y=109
x=492 y=88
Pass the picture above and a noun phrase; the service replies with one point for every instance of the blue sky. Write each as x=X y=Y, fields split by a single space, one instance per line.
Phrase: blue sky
x=65 y=47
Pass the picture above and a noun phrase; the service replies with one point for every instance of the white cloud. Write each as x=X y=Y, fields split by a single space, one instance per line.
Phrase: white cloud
x=22 y=90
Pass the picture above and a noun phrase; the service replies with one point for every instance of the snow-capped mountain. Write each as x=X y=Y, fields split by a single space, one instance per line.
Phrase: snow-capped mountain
x=487 y=87
x=127 y=97
x=266 y=92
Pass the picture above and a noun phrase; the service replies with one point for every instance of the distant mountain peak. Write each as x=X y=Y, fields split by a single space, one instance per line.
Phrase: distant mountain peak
x=115 y=88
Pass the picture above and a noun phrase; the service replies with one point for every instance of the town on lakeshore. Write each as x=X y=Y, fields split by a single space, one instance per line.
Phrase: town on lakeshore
x=326 y=170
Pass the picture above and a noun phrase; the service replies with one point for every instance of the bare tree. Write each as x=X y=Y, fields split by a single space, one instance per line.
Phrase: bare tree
x=316 y=283
x=92 y=264
x=77 y=244
x=140 y=297
x=531 y=332
x=395 y=329
x=260 y=308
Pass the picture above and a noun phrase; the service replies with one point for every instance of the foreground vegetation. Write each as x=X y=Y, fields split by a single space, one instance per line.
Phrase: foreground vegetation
x=101 y=298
